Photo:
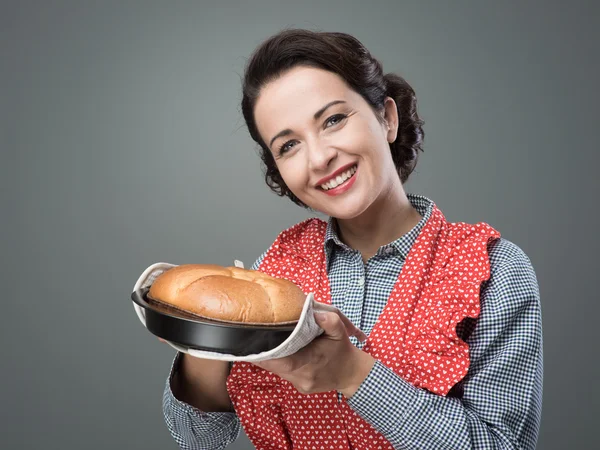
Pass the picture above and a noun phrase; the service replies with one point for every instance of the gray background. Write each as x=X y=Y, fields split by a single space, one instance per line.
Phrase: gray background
x=123 y=144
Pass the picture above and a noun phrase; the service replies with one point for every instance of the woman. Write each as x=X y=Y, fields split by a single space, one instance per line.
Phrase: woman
x=453 y=357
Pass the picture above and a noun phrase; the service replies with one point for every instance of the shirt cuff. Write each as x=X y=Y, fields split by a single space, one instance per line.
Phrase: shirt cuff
x=174 y=402
x=384 y=399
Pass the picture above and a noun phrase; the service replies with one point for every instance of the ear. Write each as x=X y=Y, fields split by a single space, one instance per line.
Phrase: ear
x=390 y=111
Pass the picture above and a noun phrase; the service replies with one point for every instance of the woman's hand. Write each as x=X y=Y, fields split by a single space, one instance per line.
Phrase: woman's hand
x=327 y=363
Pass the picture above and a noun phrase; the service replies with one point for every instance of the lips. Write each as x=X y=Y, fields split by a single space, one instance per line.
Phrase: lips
x=340 y=171
x=342 y=187
x=340 y=179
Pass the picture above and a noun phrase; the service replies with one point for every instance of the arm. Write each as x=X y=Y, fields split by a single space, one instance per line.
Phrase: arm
x=190 y=426
x=196 y=405
x=498 y=404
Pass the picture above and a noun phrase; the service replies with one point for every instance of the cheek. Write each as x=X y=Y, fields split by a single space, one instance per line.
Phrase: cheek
x=362 y=138
x=293 y=174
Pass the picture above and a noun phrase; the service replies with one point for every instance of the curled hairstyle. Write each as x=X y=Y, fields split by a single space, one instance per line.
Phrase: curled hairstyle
x=345 y=56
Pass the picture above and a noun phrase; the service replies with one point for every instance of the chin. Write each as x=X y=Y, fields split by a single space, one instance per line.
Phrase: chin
x=346 y=215
x=346 y=211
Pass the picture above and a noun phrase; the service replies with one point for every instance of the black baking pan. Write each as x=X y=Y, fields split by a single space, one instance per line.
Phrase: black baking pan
x=208 y=335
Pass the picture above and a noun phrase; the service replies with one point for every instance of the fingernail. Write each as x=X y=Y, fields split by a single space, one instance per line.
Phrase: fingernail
x=320 y=316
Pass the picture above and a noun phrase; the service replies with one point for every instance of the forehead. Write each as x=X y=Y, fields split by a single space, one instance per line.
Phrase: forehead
x=301 y=81
x=300 y=92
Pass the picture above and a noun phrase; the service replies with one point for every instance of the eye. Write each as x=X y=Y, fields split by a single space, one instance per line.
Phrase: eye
x=286 y=147
x=335 y=119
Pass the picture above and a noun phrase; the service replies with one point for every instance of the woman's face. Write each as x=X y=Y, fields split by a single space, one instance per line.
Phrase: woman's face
x=328 y=145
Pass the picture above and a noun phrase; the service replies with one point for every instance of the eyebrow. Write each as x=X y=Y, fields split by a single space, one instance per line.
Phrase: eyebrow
x=316 y=116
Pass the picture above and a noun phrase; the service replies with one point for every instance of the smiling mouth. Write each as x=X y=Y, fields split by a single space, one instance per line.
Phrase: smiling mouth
x=339 y=180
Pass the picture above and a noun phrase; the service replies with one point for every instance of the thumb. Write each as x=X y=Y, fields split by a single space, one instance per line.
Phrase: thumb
x=332 y=325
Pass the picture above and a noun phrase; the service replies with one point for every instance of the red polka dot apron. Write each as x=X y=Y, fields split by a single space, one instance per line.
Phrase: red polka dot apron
x=415 y=335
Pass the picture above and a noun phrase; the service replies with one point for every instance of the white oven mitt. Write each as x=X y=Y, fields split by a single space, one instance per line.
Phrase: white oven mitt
x=305 y=331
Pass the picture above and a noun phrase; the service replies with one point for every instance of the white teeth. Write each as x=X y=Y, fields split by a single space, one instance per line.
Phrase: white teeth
x=339 y=179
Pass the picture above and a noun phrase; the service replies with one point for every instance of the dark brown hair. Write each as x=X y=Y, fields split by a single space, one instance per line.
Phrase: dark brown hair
x=345 y=56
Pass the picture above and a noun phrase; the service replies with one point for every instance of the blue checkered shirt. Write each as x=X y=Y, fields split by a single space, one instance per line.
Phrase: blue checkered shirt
x=496 y=406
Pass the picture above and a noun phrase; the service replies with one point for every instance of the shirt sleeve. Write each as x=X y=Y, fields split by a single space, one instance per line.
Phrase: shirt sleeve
x=498 y=404
x=192 y=428
x=195 y=429
x=258 y=262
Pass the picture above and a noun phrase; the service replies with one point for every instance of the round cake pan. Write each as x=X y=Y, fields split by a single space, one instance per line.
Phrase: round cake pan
x=209 y=335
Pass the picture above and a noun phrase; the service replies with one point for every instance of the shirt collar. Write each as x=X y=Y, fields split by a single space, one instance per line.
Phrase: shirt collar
x=400 y=246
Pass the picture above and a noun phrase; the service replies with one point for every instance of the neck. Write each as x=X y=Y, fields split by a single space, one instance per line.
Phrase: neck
x=384 y=221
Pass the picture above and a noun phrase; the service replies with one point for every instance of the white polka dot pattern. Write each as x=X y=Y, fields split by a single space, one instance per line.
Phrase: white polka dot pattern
x=415 y=335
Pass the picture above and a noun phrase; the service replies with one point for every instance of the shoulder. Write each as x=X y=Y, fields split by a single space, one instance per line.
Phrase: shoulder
x=297 y=238
x=505 y=254
x=303 y=230
x=513 y=280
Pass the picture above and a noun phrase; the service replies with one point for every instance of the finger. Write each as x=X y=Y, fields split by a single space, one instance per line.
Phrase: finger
x=351 y=329
x=358 y=334
x=261 y=364
x=332 y=325
x=277 y=365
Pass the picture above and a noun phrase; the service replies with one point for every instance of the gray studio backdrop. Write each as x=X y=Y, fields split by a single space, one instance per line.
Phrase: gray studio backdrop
x=122 y=144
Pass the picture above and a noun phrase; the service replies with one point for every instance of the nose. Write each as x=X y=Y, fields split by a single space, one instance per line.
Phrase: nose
x=320 y=156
